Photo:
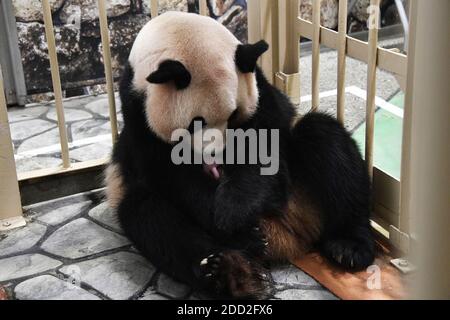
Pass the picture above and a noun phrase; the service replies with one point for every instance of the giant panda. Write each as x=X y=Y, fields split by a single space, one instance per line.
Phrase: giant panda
x=217 y=227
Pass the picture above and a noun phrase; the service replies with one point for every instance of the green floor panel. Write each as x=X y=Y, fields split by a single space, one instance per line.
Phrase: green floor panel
x=398 y=100
x=387 y=143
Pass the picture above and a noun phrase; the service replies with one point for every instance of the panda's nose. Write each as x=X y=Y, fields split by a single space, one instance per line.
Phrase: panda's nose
x=196 y=124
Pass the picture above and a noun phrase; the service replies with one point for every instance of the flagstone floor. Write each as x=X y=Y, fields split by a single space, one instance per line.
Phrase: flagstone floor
x=74 y=248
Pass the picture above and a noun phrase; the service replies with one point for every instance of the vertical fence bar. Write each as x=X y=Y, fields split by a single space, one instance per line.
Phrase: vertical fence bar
x=203 y=8
x=56 y=80
x=288 y=38
x=106 y=50
x=10 y=205
x=269 y=32
x=425 y=203
x=154 y=8
x=373 y=24
x=288 y=75
x=342 y=48
x=315 y=55
x=254 y=20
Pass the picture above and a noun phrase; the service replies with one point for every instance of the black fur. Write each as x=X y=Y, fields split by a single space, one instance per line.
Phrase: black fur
x=248 y=54
x=171 y=70
x=178 y=216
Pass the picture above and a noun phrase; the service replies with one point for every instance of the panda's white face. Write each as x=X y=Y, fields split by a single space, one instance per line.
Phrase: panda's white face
x=185 y=64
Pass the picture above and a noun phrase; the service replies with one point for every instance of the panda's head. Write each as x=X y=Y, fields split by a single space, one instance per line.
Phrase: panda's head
x=191 y=67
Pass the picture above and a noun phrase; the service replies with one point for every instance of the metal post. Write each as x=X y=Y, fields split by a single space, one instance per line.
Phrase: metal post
x=315 y=55
x=154 y=8
x=10 y=206
x=10 y=58
x=254 y=20
x=288 y=77
x=269 y=32
x=342 y=56
x=203 y=8
x=425 y=204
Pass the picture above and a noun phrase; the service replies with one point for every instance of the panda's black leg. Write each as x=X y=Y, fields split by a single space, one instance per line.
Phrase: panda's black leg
x=183 y=250
x=326 y=162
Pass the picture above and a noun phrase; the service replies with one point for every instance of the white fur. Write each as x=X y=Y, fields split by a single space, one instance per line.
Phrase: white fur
x=207 y=49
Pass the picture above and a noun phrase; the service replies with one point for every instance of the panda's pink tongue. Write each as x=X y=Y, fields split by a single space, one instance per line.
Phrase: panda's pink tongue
x=212 y=169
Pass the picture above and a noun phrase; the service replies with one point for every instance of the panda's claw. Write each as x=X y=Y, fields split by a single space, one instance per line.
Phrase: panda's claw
x=233 y=274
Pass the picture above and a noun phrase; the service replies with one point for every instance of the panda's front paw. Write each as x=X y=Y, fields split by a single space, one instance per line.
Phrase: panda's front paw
x=232 y=274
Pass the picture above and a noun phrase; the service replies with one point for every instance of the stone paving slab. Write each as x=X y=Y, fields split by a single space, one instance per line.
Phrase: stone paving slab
x=22 y=114
x=100 y=106
x=92 y=151
x=171 y=288
x=107 y=216
x=81 y=238
x=51 y=288
x=47 y=138
x=300 y=294
x=25 y=129
x=90 y=128
x=151 y=294
x=118 y=276
x=25 y=265
x=19 y=240
x=106 y=265
x=289 y=275
x=37 y=162
x=70 y=114
x=63 y=213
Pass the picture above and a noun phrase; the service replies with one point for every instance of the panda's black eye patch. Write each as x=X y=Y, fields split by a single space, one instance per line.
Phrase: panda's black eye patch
x=171 y=70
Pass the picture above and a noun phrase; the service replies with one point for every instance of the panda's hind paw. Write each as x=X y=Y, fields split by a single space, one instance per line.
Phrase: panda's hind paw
x=350 y=254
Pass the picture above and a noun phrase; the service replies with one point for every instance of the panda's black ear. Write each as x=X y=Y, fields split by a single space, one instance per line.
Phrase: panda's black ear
x=171 y=70
x=247 y=55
